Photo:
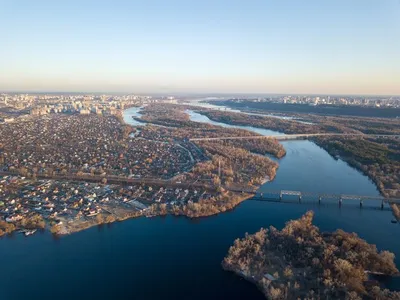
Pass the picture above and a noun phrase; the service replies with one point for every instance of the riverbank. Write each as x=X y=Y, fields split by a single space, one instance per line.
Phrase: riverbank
x=221 y=204
x=72 y=226
x=379 y=161
x=396 y=211
x=24 y=224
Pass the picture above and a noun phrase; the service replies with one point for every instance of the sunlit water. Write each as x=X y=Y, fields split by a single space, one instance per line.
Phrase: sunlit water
x=179 y=258
x=204 y=119
x=131 y=113
x=199 y=103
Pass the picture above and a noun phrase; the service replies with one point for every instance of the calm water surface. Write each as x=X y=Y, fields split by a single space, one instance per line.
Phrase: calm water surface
x=133 y=112
x=204 y=119
x=178 y=258
x=198 y=103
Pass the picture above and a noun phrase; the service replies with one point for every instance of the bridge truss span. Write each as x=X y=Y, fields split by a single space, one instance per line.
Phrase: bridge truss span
x=319 y=198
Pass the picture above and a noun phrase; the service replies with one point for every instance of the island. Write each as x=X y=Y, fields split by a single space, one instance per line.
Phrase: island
x=300 y=262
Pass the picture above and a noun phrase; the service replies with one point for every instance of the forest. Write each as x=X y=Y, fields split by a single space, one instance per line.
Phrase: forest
x=237 y=166
x=300 y=262
x=218 y=203
x=348 y=110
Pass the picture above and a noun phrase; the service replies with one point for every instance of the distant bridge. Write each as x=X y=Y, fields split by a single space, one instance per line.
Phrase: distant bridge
x=293 y=136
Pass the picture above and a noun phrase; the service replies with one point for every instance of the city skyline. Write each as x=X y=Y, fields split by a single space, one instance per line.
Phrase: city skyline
x=262 y=47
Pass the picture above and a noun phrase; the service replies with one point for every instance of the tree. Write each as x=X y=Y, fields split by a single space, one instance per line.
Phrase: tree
x=288 y=273
x=216 y=181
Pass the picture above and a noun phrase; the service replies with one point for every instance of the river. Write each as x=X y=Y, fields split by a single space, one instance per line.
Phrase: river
x=130 y=114
x=200 y=103
x=178 y=258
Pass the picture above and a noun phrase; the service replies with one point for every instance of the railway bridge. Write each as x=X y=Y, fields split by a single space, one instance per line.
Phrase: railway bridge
x=319 y=198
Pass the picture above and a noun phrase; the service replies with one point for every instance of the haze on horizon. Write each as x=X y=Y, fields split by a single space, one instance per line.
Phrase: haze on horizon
x=209 y=46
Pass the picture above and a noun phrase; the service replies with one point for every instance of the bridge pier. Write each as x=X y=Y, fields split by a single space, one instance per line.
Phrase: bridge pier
x=297 y=196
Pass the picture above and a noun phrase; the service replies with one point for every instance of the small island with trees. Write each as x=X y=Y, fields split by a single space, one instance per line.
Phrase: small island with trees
x=300 y=262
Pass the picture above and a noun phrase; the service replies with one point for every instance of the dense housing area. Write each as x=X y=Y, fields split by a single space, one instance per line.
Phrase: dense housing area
x=67 y=206
x=66 y=172
x=72 y=144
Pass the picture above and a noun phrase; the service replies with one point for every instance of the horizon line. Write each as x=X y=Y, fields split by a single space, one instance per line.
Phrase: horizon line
x=209 y=94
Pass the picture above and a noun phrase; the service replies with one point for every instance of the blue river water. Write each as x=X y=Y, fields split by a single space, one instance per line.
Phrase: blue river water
x=179 y=258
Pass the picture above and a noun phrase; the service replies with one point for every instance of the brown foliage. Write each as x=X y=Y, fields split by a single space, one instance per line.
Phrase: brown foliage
x=329 y=264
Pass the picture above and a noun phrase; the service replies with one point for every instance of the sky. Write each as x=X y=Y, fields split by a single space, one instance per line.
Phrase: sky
x=207 y=46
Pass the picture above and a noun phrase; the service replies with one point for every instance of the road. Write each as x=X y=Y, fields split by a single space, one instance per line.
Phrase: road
x=112 y=179
x=293 y=136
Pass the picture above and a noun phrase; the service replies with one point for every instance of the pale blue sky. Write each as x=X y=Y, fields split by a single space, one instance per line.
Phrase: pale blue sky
x=229 y=46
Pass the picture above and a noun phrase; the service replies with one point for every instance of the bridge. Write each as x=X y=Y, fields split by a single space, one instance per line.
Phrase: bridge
x=309 y=197
x=284 y=137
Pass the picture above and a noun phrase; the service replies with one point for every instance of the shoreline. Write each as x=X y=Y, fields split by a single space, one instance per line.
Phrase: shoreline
x=80 y=225
x=353 y=164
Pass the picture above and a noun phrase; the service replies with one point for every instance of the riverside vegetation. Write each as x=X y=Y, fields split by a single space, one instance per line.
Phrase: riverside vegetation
x=377 y=158
x=177 y=125
x=33 y=221
x=300 y=262
x=317 y=124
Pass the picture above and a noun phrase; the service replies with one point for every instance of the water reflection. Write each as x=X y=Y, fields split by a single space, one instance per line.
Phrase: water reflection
x=198 y=103
x=131 y=113
x=196 y=117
